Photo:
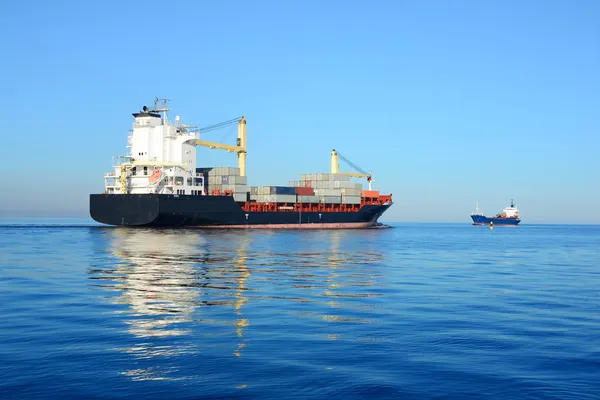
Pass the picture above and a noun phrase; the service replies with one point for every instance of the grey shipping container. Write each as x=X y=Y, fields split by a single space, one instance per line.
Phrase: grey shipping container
x=331 y=199
x=277 y=198
x=308 y=199
x=236 y=188
x=240 y=196
x=351 y=192
x=351 y=199
x=238 y=180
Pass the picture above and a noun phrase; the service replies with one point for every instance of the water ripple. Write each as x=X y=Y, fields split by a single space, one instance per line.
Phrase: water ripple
x=419 y=311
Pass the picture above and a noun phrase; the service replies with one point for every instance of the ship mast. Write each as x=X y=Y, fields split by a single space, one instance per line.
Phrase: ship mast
x=161 y=108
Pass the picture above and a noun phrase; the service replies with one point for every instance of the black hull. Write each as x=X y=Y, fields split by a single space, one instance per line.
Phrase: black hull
x=216 y=212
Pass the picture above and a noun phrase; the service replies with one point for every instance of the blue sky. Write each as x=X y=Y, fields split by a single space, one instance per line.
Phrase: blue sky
x=446 y=102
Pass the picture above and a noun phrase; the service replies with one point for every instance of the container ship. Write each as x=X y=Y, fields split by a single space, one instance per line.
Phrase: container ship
x=509 y=216
x=158 y=184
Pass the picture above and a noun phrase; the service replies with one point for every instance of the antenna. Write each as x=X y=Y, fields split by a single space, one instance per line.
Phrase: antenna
x=161 y=107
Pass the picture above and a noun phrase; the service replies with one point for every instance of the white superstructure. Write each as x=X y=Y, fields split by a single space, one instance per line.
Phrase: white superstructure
x=162 y=157
x=512 y=211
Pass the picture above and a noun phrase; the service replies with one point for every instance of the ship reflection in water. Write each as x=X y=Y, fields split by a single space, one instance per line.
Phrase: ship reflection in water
x=186 y=294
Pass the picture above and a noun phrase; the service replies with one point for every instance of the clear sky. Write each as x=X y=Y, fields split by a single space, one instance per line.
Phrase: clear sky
x=446 y=102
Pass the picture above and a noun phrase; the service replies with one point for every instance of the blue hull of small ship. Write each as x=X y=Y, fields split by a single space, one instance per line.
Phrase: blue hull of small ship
x=483 y=220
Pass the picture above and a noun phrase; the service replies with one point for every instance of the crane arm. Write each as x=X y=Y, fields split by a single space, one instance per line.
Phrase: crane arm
x=220 y=146
x=356 y=175
x=239 y=148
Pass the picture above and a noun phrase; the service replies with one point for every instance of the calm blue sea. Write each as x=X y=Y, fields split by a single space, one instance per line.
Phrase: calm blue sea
x=423 y=311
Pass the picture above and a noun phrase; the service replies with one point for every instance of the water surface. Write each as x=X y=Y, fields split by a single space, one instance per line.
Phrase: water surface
x=418 y=311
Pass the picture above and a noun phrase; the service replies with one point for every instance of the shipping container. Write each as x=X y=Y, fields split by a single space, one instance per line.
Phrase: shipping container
x=232 y=171
x=351 y=199
x=235 y=188
x=240 y=197
x=283 y=190
x=308 y=199
x=276 y=198
x=340 y=177
x=351 y=192
x=264 y=190
x=344 y=184
x=370 y=193
x=237 y=180
x=331 y=199
x=305 y=191
x=253 y=190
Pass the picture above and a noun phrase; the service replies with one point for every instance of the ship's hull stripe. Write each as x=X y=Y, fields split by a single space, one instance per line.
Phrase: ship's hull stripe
x=342 y=225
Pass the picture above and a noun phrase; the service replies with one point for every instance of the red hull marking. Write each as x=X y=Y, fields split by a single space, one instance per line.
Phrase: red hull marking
x=341 y=225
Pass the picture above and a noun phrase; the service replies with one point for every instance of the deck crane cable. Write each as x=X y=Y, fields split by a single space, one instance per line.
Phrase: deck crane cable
x=220 y=125
x=356 y=167
x=231 y=122
x=228 y=133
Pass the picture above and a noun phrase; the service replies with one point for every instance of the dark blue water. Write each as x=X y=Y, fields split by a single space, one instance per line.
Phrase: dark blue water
x=424 y=311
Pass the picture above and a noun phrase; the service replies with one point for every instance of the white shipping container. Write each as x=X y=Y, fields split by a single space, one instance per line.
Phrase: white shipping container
x=277 y=198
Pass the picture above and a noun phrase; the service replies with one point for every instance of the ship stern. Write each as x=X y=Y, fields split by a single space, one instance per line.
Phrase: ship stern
x=124 y=209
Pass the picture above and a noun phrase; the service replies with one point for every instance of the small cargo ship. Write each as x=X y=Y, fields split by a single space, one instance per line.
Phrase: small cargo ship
x=158 y=184
x=508 y=216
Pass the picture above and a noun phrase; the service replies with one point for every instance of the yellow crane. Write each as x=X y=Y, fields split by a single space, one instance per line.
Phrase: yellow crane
x=335 y=168
x=239 y=148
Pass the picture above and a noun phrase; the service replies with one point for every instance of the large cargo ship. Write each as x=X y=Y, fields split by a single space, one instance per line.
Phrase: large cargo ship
x=158 y=184
x=509 y=216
